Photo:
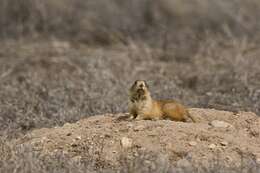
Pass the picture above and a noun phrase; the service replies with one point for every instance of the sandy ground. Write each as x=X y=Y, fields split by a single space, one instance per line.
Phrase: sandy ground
x=112 y=139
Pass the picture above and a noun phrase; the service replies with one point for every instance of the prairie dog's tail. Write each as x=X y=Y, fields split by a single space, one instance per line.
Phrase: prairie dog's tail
x=191 y=117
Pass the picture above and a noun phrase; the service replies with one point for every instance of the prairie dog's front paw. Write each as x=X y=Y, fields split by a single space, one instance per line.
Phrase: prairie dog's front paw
x=140 y=117
x=131 y=117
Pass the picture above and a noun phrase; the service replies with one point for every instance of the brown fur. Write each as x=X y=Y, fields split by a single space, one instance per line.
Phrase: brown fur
x=142 y=106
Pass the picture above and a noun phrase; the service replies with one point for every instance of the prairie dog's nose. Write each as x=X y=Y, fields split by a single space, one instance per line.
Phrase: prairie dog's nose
x=141 y=85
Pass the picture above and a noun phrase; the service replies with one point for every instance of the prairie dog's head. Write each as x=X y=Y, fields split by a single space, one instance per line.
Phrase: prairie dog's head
x=139 y=90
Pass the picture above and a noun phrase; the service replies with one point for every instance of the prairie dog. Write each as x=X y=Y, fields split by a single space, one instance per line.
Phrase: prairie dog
x=141 y=105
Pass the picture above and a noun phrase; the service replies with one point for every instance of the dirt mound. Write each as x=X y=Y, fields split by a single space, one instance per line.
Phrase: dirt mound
x=112 y=141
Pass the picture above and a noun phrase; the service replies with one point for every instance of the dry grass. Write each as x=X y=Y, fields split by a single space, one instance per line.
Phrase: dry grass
x=46 y=84
x=113 y=21
x=25 y=160
x=204 y=53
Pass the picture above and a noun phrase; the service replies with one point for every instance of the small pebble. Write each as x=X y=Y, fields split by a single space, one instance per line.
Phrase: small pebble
x=184 y=163
x=258 y=160
x=192 y=143
x=229 y=158
x=69 y=134
x=74 y=144
x=78 y=138
x=224 y=143
x=139 y=128
x=126 y=142
x=220 y=124
x=67 y=125
x=212 y=146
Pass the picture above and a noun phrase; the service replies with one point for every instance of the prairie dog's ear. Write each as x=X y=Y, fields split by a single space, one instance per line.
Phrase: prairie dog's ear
x=147 y=86
x=133 y=85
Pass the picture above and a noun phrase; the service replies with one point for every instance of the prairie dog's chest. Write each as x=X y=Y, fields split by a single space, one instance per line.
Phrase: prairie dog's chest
x=140 y=106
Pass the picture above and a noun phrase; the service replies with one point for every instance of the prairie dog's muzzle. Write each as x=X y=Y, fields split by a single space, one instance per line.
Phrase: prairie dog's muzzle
x=141 y=87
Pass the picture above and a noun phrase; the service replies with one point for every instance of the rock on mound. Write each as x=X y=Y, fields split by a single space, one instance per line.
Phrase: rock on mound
x=112 y=141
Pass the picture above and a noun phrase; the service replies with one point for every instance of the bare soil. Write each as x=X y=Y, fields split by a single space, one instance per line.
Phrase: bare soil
x=63 y=61
x=112 y=140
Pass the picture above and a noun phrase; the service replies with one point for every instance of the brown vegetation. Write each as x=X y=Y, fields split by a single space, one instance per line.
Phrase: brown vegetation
x=63 y=60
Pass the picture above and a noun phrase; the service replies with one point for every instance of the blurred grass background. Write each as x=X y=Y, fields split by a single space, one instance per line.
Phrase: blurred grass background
x=64 y=60
x=109 y=21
